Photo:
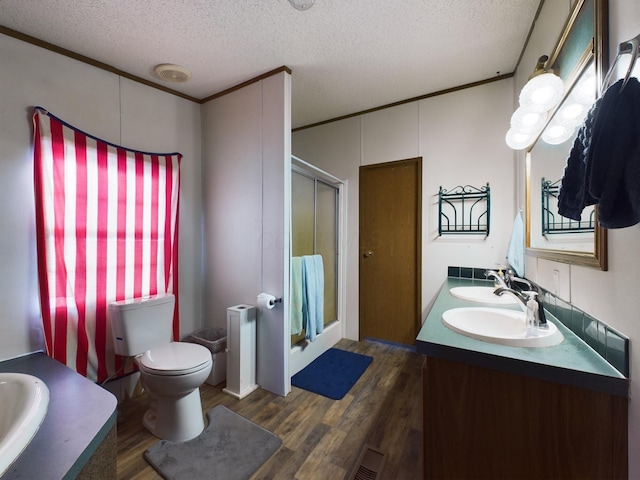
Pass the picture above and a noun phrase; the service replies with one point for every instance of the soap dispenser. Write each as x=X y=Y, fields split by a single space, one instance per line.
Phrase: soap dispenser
x=532 y=312
x=499 y=281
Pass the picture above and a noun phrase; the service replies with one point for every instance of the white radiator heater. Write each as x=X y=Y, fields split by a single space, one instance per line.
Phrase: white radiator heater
x=241 y=351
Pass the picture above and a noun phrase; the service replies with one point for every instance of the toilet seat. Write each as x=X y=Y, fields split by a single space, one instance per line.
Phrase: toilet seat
x=175 y=358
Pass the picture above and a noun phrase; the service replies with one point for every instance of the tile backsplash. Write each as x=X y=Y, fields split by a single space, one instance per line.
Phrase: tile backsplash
x=607 y=341
x=467 y=272
x=612 y=345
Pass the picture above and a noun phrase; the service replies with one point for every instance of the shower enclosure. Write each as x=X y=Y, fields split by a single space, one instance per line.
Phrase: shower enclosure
x=315 y=230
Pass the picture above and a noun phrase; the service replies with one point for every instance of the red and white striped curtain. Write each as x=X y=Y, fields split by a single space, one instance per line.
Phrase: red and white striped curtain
x=107 y=229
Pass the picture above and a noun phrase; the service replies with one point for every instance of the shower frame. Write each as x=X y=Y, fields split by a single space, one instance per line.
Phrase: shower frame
x=334 y=330
x=318 y=180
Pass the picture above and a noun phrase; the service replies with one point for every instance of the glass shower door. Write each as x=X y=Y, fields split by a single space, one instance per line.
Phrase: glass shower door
x=314 y=230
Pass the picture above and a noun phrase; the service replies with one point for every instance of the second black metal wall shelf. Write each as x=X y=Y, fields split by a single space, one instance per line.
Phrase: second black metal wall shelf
x=464 y=210
x=553 y=222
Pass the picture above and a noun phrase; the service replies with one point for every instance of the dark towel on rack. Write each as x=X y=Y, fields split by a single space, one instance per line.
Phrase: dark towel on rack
x=604 y=164
x=613 y=162
x=574 y=194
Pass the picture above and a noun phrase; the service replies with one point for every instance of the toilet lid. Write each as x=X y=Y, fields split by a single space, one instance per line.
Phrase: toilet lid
x=175 y=358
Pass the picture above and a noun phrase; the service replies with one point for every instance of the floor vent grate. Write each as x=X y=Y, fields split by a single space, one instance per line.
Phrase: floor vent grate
x=369 y=464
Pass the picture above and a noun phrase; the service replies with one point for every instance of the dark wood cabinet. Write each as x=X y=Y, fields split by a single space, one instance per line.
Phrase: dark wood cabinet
x=486 y=424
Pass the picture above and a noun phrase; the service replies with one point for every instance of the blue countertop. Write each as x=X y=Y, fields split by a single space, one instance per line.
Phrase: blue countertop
x=79 y=417
x=572 y=362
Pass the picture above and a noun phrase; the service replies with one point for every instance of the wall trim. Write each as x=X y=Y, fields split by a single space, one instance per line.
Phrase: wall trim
x=497 y=78
x=90 y=61
x=109 y=68
x=275 y=71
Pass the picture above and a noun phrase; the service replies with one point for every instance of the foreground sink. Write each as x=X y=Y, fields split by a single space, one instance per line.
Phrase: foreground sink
x=501 y=326
x=23 y=404
x=482 y=295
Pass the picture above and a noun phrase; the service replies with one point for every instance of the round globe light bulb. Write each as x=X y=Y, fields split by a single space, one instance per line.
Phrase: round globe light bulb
x=556 y=134
x=526 y=121
x=571 y=114
x=585 y=91
x=518 y=140
x=542 y=93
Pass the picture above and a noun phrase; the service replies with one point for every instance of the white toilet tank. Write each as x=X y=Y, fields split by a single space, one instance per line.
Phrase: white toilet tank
x=140 y=324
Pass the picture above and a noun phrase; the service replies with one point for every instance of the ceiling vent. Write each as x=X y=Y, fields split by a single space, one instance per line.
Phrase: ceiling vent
x=172 y=73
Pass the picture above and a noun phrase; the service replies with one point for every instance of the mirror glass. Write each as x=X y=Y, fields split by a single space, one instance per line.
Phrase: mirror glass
x=548 y=229
x=578 y=60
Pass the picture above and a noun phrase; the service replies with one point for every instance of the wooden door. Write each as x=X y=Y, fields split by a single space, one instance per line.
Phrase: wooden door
x=390 y=250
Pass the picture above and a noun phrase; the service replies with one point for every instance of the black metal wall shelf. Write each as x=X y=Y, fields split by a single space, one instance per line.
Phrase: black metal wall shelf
x=464 y=210
x=553 y=222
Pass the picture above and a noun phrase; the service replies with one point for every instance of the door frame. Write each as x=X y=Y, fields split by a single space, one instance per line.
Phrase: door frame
x=418 y=239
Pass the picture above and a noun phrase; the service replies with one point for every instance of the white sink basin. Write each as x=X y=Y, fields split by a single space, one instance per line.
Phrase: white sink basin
x=482 y=295
x=24 y=400
x=501 y=326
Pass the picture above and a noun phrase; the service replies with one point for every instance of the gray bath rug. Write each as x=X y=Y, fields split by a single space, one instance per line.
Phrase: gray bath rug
x=230 y=448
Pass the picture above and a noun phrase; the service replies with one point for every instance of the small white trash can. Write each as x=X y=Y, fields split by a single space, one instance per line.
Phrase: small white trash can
x=215 y=339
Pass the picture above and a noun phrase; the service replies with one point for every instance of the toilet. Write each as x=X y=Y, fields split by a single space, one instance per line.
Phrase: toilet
x=170 y=372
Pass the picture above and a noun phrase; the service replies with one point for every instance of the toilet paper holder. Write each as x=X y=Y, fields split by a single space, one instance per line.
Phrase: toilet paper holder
x=268 y=300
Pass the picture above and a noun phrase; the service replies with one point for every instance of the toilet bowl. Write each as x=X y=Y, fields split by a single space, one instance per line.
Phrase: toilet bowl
x=170 y=372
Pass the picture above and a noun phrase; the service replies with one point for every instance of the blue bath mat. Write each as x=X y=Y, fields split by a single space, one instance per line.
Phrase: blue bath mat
x=332 y=374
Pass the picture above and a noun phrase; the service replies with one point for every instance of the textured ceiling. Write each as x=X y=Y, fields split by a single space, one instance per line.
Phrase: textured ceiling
x=346 y=56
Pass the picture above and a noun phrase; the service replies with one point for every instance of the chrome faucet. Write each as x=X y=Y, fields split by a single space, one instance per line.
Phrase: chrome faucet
x=499 y=278
x=515 y=281
x=524 y=297
x=505 y=277
x=520 y=296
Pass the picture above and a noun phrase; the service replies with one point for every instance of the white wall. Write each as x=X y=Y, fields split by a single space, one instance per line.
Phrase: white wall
x=462 y=142
x=247 y=184
x=107 y=106
x=460 y=137
x=609 y=296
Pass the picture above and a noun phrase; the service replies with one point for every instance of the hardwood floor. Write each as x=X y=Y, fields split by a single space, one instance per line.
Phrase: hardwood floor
x=322 y=438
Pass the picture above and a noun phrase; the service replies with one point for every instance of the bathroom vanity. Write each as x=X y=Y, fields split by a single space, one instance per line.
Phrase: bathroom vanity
x=493 y=411
x=77 y=438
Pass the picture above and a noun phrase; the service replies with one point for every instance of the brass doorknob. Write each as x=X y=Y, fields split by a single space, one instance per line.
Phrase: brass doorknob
x=368 y=254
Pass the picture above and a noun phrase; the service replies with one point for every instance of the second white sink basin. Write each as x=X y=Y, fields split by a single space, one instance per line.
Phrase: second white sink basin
x=482 y=295
x=500 y=326
x=24 y=400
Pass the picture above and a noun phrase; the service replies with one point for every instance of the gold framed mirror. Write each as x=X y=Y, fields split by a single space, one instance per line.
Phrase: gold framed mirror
x=580 y=59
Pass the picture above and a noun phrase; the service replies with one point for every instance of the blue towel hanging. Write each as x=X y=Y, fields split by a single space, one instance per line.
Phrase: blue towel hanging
x=515 y=252
x=313 y=295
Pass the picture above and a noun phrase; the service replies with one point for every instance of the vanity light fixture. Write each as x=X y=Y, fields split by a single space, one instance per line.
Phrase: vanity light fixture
x=542 y=92
x=575 y=107
x=302 y=5
x=544 y=89
x=572 y=113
